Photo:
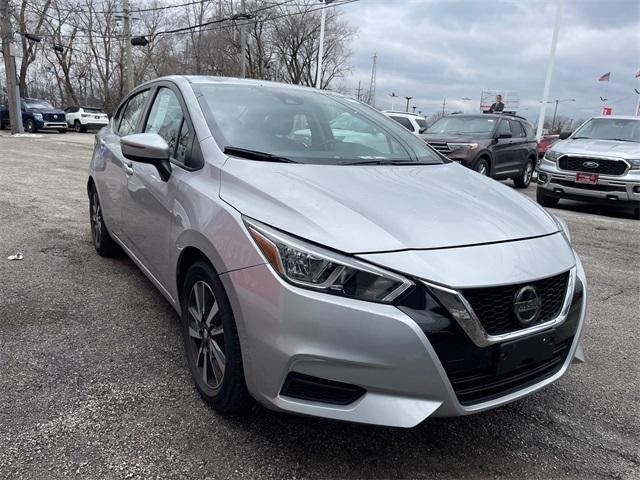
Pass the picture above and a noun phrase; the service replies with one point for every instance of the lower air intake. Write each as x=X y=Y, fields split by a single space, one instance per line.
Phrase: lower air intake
x=314 y=389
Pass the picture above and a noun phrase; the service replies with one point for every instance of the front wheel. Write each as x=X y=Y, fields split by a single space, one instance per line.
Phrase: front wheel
x=211 y=341
x=636 y=213
x=524 y=179
x=482 y=167
x=545 y=200
x=30 y=126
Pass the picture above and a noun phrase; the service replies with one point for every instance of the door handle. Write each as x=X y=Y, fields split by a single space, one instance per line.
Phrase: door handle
x=128 y=168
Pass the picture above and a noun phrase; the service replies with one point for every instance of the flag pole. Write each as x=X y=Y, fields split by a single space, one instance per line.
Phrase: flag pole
x=552 y=57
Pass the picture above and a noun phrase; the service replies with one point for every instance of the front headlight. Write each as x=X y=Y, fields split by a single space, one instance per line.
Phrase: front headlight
x=309 y=266
x=462 y=146
x=562 y=225
x=635 y=164
x=37 y=116
x=551 y=155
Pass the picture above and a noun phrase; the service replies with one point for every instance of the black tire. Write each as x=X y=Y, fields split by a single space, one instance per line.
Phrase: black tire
x=102 y=241
x=636 y=213
x=208 y=335
x=78 y=127
x=62 y=130
x=524 y=179
x=30 y=126
x=1 y=125
x=482 y=167
x=544 y=199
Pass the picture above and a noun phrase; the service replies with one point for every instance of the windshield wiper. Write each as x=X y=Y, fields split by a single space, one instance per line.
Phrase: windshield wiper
x=390 y=162
x=256 y=155
x=582 y=138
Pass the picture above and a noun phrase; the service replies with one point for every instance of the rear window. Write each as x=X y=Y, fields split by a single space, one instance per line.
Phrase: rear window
x=93 y=110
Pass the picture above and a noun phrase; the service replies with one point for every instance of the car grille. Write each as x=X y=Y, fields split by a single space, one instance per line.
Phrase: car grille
x=477 y=374
x=473 y=387
x=441 y=147
x=605 y=167
x=494 y=306
x=48 y=117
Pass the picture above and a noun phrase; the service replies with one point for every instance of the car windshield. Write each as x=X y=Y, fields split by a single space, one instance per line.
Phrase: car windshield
x=457 y=125
x=307 y=126
x=37 y=104
x=627 y=130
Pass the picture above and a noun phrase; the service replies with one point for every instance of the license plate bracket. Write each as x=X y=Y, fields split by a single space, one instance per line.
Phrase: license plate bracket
x=517 y=353
x=587 y=178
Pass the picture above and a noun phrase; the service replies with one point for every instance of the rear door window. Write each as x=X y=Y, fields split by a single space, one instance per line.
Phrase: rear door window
x=516 y=129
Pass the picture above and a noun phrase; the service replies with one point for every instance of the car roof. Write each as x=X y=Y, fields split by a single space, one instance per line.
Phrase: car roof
x=618 y=117
x=403 y=113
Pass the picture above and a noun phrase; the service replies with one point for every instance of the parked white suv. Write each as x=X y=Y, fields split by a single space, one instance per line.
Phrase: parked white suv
x=598 y=163
x=411 y=121
x=83 y=118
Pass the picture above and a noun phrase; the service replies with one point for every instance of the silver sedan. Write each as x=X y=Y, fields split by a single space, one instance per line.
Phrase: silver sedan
x=352 y=275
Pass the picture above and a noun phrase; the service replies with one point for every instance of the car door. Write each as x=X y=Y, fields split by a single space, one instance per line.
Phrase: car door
x=518 y=155
x=502 y=149
x=149 y=204
x=111 y=167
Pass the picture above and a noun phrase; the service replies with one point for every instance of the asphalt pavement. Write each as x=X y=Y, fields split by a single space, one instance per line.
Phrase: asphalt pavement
x=94 y=384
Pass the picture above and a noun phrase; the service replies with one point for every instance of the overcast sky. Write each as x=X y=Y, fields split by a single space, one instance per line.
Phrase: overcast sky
x=432 y=49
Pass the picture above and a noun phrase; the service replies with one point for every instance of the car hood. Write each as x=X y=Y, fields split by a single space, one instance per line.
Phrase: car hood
x=585 y=146
x=440 y=137
x=375 y=208
x=46 y=111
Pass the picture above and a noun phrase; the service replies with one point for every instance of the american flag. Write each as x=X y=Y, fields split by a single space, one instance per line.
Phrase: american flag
x=605 y=77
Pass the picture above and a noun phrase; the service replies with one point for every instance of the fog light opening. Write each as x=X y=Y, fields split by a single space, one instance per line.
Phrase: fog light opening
x=314 y=389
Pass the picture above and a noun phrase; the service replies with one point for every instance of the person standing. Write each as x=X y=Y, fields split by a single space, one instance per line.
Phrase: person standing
x=497 y=106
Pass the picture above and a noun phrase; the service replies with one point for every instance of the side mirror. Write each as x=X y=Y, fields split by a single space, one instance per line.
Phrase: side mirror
x=565 y=135
x=148 y=148
x=422 y=130
x=504 y=135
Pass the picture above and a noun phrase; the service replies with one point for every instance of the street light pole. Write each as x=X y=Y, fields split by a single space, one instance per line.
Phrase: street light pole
x=555 y=110
x=552 y=57
x=393 y=97
x=407 y=98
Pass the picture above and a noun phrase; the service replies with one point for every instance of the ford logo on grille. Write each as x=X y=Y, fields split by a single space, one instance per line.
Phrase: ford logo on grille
x=590 y=164
x=526 y=305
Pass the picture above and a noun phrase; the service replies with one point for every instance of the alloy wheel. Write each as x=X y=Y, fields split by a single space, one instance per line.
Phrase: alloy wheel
x=206 y=335
x=96 y=219
x=528 y=173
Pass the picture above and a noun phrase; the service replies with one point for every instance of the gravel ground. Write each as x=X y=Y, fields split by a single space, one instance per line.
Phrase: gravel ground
x=93 y=382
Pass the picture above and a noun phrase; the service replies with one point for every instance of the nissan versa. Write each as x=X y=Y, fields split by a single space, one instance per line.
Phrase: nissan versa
x=357 y=276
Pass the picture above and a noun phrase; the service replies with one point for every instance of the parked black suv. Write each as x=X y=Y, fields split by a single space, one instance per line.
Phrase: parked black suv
x=497 y=145
x=37 y=115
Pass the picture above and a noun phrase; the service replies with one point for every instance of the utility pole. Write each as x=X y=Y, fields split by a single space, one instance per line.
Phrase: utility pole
x=444 y=105
x=372 y=84
x=552 y=57
x=128 y=57
x=13 y=91
x=359 y=90
x=407 y=98
x=243 y=40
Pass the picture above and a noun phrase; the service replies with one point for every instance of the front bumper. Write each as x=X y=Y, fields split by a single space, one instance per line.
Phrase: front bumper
x=377 y=347
x=51 y=125
x=559 y=183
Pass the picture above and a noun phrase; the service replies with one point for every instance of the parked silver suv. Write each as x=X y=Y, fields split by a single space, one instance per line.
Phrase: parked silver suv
x=599 y=162
x=357 y=276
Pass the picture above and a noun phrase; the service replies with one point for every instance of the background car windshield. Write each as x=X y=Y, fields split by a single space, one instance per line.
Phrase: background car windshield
x=37 y=104
x=307 y=126
x=610 y=129
x=464 y=125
